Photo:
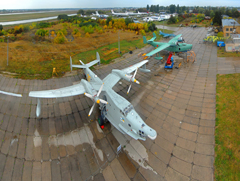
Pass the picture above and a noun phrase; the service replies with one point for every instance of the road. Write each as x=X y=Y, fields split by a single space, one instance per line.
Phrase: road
x=31 y=20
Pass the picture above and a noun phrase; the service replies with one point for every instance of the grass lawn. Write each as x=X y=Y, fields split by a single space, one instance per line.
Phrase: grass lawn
x=222 y=53
x=227 y=133
x=6 y=18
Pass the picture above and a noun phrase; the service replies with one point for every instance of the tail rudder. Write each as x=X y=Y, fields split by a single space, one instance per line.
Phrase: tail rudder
x=154 y=35
x=144 y=39
x=160 y=32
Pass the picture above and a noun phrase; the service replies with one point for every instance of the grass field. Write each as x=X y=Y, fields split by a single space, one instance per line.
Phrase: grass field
x=31 y=58
x=222 y=53
x=6 y=18
x=227 y=133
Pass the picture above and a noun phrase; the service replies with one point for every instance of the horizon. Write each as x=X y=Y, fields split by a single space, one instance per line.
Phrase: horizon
x=107 y=4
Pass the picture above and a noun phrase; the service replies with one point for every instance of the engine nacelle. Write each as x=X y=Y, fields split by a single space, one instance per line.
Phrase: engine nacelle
x=124 y=76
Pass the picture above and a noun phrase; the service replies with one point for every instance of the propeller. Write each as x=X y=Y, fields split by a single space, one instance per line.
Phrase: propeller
x=96 y=99
x=133 y=80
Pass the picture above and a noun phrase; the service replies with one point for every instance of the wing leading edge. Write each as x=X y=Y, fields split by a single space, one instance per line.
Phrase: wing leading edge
x=162 y=47
x=62 y=92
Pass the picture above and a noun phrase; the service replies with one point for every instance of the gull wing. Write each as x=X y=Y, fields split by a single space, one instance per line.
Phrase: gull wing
x=173 y=40
x=111 y=79
x=62 y=92
x=162 y=47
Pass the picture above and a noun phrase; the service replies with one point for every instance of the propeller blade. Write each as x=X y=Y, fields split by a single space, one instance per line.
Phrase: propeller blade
x=103 y=101
x=135 y=73
x=100 y=90
x=129 y=88
x=89 y=95
x=90 y=112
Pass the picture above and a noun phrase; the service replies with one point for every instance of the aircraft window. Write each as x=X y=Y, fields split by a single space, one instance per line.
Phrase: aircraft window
x=143 y=125
x=127 y=109
x=179 y=48
x=129 y=125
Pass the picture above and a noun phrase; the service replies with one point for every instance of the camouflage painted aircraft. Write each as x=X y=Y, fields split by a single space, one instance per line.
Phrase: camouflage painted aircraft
x=114 y=108
x=172 y=46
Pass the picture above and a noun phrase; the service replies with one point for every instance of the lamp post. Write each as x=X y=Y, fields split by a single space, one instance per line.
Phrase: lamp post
x=7 y=48
x=119 y=42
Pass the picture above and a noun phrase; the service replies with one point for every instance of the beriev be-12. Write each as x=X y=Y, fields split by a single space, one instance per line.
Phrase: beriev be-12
x=114 y=108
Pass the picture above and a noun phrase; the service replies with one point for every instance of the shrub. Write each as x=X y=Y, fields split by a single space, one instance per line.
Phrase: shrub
x=172 y=20
x=87 y=35
x=41 y=32
x=88 y=29
x=75 y=31
x=87 y=23
x=143 y=32
x=60 y=39
x=220 y=34
x=152 y=26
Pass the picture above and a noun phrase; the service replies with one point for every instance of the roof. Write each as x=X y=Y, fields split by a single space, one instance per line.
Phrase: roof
x=229 y=22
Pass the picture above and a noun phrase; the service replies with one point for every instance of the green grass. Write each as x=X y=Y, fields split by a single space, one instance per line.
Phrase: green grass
x=227 y=133
x=125 y=46
x=6 y=18
x=222 y=53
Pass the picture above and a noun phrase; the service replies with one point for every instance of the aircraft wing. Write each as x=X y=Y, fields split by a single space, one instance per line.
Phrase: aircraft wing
x=162 y=47
x=175 y=39
x=166 y=36
x=112 y=78
x=62 y=92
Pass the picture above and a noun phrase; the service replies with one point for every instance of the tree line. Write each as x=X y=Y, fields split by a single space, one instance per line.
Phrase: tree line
x=207 y=10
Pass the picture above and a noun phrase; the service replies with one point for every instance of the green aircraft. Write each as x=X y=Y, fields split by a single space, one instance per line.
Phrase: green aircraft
x=172 y=46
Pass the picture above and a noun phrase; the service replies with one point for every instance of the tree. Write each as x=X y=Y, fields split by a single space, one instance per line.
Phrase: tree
x=128 y=20
x=80 y=11
x=212 y=14
x=62 y=16
x=1 y=27
x=235 y=13
x=172 y=20
x=108 y=20
x=172 y=8
x=147 y=7
x=217 y=19
x=178 y=9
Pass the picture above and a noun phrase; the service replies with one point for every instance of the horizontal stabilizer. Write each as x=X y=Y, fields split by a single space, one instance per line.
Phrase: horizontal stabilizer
x=86 y=65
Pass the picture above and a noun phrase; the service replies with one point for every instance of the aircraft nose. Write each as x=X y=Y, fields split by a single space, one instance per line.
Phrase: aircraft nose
x=190 y=47
x=152 y=134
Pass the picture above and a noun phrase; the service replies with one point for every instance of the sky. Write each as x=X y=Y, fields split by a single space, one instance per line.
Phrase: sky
x=40 y=4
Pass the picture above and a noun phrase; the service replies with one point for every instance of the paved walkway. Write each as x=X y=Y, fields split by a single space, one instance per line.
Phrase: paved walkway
x=64 y=144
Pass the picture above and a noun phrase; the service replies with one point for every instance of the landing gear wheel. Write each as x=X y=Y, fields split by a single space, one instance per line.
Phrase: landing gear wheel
x=101 y=121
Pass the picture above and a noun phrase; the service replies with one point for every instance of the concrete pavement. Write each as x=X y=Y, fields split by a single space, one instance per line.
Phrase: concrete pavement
x=64 y=144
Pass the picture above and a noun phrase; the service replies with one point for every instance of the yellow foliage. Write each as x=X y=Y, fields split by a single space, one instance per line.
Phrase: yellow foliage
x=105 y=27
x=78 y=34
x=143 y=32
x=87 y=35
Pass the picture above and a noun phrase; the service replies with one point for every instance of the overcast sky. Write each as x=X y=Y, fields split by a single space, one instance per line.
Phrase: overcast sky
x=39 y=4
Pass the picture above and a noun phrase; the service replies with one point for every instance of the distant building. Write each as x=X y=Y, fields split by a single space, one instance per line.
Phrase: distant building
x=230 y=26
x=233 y=43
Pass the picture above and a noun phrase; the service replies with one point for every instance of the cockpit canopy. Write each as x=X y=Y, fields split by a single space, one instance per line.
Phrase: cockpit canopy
x=127 y=110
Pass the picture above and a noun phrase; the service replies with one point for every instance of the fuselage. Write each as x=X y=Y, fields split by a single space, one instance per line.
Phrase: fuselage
x=119 y=111
x=181 y=47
